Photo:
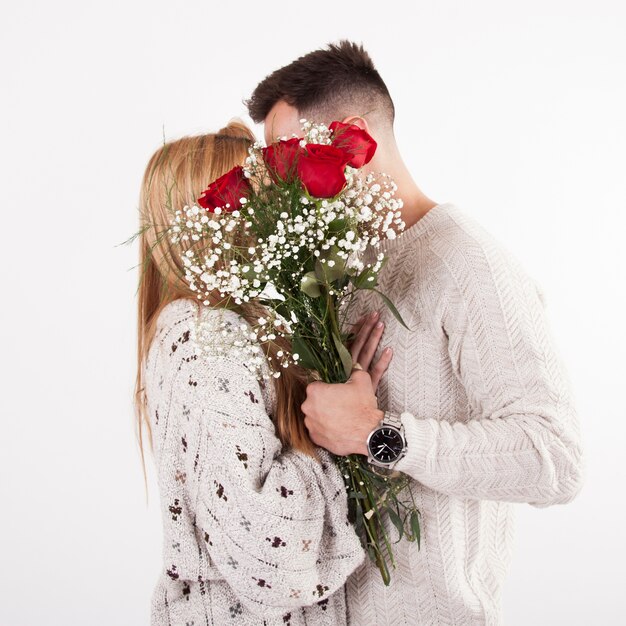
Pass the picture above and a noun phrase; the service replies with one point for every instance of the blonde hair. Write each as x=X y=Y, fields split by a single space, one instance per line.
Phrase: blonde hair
x=175 y=176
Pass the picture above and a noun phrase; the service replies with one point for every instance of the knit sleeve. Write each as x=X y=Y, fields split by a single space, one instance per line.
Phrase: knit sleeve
x=274 y=520
x=522 y=440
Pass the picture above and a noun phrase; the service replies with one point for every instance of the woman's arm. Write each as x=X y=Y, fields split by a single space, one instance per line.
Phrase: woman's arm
x=275 y=521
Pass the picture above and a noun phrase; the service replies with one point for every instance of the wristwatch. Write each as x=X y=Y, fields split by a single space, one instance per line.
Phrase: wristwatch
x=386 y=444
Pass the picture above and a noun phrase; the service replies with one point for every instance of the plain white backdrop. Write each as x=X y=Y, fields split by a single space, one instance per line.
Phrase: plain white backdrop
x=514 y=111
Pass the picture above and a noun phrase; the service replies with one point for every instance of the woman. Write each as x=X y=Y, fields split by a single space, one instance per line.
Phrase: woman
x=254 y=514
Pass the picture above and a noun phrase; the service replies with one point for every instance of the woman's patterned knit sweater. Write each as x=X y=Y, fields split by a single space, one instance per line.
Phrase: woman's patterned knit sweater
x=251 y=534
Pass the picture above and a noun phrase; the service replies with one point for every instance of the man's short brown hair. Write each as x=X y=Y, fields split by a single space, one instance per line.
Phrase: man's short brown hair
x=335 y=81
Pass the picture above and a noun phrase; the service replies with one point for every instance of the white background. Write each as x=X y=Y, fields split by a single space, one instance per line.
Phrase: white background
x=515 y=111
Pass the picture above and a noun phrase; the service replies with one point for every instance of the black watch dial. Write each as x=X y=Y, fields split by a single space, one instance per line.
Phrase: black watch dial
x=386 y=444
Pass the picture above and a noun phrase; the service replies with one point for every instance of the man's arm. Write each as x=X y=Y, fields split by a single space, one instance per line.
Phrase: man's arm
x=522 y=443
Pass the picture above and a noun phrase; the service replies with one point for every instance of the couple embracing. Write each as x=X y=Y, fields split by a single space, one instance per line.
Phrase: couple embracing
x=256 y=527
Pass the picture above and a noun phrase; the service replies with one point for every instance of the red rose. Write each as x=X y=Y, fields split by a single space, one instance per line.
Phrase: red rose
x=353 y=140
x=280 y=158
x=322 y=170
x=227 y=189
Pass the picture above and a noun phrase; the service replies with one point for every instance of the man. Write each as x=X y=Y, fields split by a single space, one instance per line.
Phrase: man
x=476 y=391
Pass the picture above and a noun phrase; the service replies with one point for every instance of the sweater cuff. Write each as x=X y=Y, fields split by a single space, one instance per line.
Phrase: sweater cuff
x=420 y=441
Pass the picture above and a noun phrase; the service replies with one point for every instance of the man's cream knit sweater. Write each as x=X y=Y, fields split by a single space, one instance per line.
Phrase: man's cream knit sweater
x=489 y=417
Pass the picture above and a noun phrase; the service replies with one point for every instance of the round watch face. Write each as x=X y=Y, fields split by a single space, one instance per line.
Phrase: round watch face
x=385 y=444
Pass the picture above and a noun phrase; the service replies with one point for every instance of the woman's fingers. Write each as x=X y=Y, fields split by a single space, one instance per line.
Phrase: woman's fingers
x=356 y=327
x=380 y=366
x=368 y=331
x=366 y=355
x=363 y=329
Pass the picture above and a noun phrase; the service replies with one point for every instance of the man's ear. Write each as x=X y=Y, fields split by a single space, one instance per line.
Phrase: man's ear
x=357 y=121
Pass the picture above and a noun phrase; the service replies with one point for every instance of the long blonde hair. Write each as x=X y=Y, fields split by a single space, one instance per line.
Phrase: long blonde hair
x=175 y=176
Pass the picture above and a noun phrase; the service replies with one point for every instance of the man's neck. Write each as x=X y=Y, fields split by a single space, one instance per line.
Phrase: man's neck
x=415 y=203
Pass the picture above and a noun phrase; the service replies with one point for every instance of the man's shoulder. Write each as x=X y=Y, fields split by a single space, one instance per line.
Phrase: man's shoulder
x=447 y=229
x=443 y=245
x=458 y=230
x=461 y=248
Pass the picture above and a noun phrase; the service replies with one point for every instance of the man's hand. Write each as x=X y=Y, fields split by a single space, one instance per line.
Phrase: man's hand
x=339 y=417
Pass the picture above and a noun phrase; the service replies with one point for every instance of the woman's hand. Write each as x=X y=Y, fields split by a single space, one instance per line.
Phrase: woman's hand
x=367 y=334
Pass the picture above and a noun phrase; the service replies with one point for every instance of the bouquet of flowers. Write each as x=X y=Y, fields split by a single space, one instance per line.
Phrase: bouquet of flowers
x=308 y=214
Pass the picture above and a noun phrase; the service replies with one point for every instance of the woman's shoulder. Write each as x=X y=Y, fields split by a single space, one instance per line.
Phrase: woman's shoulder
x=198 y=337
x=177 y=307
x=184 y=328
x=212 y=334
x=185 y=313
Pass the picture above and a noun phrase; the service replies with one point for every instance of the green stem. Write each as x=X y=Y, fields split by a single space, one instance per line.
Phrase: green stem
x=370 y=527
x=380 y=522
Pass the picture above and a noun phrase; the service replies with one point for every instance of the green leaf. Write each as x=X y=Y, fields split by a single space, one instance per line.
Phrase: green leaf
x=310 y=285
x=307 y=357
x=371 y=552
x=356 y=494
x=362 y=280
x=415 y=527
x=326 y=273
x=250 y=274
x=337 y=225
x=346 y=357
x=393 y=309
x=284 y=310
x=343 y=282
x=397 y=522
